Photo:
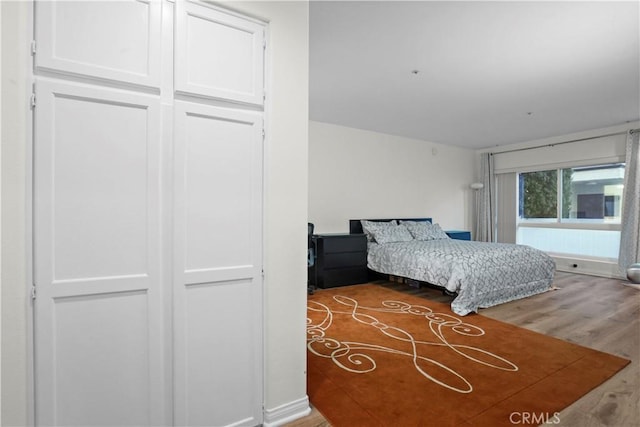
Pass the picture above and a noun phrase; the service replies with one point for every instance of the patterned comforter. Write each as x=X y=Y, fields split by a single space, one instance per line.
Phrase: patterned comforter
x=482 y=274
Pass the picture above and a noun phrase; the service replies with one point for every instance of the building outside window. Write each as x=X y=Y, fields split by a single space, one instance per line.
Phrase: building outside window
x=574 y=211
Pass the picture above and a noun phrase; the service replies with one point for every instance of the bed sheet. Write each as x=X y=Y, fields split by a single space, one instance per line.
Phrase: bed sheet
x=482 y=274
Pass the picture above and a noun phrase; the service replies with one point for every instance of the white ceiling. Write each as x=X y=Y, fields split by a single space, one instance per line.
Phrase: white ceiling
x=488 y=73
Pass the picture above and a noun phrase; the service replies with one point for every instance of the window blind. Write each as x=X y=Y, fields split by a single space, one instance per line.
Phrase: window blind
x=598 y=150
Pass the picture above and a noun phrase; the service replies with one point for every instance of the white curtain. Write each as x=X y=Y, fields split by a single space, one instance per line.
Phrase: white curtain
x=630 y=231
x=485 y=201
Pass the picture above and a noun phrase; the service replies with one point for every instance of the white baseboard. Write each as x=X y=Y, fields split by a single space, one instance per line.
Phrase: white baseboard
x=286 y=413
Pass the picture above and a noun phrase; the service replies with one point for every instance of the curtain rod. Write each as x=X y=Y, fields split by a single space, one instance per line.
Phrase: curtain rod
x=632 y=131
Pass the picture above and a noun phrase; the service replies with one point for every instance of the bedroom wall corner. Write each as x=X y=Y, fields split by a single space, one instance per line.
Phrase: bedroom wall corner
x=355 y=173
x=286 y=193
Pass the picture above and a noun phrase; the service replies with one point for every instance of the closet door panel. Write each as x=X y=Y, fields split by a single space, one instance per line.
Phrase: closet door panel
x=218 y=55
x=219 y=181
x=118 y=41
x=218 y=265
x=105 y=144
x=222 y=376
x=101 y=357
x=98 y=319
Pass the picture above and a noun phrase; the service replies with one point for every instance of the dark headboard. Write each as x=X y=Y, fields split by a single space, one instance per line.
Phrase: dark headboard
x=355 y=227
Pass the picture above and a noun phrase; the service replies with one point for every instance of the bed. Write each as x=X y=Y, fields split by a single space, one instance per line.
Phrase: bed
x=478 y=274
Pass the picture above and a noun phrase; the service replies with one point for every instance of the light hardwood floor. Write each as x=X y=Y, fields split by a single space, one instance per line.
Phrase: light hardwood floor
x=595 y=312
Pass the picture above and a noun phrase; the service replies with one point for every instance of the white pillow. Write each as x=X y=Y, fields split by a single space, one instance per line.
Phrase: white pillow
x=422 y=230
x=391 y=234
x=369 y=226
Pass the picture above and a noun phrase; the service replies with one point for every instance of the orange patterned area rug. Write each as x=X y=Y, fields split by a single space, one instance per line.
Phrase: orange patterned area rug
x=377 y=357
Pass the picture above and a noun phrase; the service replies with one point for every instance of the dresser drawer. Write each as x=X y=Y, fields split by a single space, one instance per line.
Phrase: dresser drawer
x=344 y=259
x=344 y=276
x=344 y=243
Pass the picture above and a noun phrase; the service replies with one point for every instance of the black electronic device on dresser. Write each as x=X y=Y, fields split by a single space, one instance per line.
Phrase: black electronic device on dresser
x=341 y=259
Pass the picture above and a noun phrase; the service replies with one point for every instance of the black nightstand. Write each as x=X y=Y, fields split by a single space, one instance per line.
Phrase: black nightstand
x=341 y=259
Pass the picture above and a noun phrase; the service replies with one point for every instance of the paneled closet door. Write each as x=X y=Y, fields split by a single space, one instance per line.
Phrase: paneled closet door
x=114 y=40
x=218 y=266
x=98 y=320
x=218 y=55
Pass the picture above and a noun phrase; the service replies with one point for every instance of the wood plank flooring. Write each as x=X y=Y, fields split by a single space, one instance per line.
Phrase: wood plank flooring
x=591 y=311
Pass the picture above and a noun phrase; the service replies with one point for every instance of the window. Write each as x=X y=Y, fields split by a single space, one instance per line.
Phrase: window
x=539 y=195
x=594 y=193
x=573 y=210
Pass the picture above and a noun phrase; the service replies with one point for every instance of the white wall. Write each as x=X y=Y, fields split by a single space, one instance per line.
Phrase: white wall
x=285 y=207
x=14 y=220
x=0 y=228
x=286 y=201
x=361 y=174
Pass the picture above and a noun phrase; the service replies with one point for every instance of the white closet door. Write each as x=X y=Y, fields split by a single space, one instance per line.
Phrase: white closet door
x=115 y=40
x=98 y=321
x=218 y=266
x=218 y=55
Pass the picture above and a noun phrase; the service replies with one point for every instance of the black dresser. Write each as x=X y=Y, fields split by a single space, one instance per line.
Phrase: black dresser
x=341 y=259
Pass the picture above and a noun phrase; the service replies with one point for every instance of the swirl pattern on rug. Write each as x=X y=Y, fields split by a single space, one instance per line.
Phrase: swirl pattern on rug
x=358 y=357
